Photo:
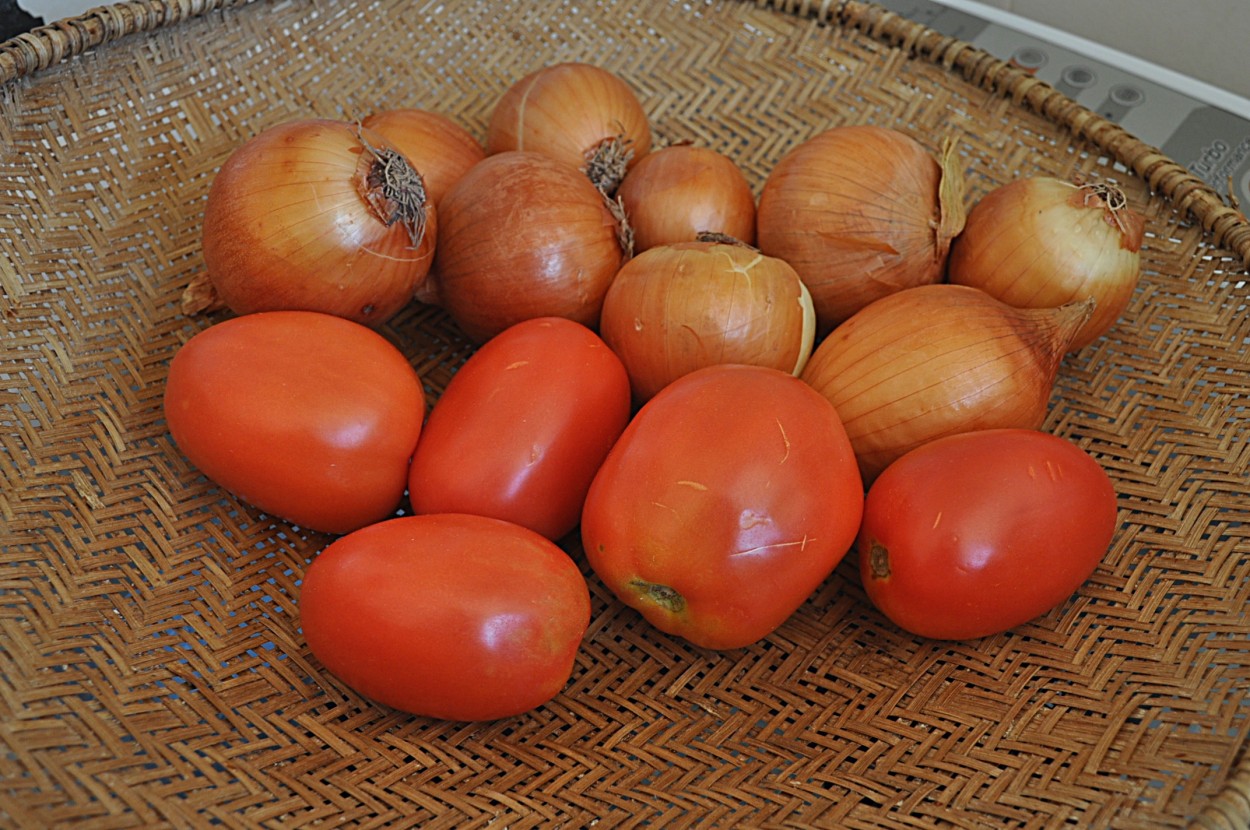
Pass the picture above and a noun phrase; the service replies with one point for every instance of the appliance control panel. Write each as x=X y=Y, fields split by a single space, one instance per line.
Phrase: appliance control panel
x=1211 y=141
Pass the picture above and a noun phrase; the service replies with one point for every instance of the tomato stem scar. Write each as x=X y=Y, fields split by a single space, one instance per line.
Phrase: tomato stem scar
x=661 y=595
x=879 y=561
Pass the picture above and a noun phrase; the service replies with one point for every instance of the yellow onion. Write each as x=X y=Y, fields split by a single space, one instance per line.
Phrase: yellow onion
x=439 y=148
x=522 y=235
x=315 y=215
x=1041 y=241
x=679 y=192
x=577 y=113
x=939 y=360
x=861 y=212
x=677 y=308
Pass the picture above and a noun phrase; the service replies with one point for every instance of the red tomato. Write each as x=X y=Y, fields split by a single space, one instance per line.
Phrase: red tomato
x=307 y=416
x=448 y=616
x=729 y=498
x=973 y=534
x=522 y=428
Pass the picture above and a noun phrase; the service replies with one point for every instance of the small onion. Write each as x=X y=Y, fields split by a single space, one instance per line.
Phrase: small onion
x=437 y=146
x=681 y=307
x=576 y=113
x=939 y=360
x=522 y=235
x=315 y=215
x=1041 y=241
x=681 y=191
x=861 y=212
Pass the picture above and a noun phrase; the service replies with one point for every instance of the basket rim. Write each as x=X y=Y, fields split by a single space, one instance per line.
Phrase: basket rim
x=60 y=41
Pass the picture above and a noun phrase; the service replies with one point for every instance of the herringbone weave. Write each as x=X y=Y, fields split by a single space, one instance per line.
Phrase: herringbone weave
x=152 y=672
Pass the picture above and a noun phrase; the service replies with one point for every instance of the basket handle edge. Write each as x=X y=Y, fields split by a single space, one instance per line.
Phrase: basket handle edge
x=51 y=43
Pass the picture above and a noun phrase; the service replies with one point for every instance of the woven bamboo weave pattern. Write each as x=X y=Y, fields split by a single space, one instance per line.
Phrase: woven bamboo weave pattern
x=152 y=673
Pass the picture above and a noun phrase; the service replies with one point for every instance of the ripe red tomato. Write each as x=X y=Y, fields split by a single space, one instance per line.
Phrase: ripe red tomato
x=448 y=616
x=729 y=498
x=305 y=415
x=522 y=427
x=973 y=534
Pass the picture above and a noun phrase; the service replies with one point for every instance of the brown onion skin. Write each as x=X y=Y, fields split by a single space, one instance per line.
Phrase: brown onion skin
x=286 y=228
x=678 y=192
x=856 y=211
x=677 y=308
x=522 y=235
x=1041 y=242
x=565 y=111
x=939 y=360
x=440 y=149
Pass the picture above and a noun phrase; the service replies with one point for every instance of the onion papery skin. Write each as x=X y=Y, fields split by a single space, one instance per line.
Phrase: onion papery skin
x=1041 y=242
x=567 y=111
x=287 y=226
x=522 y=235
x=677 y=308
x=857 y=211
x=939 y=360
x=678 y=192
x=440 y=149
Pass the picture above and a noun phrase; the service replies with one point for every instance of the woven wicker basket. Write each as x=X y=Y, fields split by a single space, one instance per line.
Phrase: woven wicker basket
x=152 y=673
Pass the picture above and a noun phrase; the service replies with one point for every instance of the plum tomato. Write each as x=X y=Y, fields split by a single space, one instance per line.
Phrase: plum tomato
x=729 y=498
x=310 y=417
x=522 y=427
x=449 y=616
x=973 y=534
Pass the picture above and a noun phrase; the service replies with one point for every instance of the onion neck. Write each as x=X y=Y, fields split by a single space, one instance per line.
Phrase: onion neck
x=1111 y=201
x=952 y=212
x=607 y=162
x=624 y=230
x=393 y=189
x=1054 y=331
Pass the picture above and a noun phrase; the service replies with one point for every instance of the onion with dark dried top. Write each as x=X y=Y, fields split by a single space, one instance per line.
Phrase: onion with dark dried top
x=577 y=113
x=522 y=235
x=315 y=215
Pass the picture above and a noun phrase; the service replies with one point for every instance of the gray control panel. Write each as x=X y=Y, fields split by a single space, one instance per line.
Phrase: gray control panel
x=1212 y=142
